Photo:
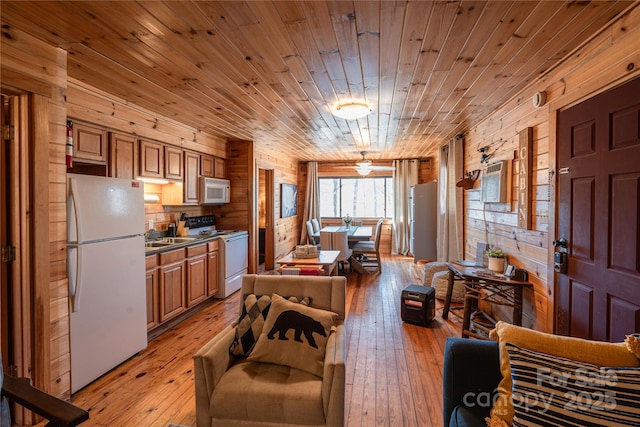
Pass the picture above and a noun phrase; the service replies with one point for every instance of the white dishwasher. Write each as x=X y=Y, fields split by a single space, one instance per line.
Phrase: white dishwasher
x=234 y=260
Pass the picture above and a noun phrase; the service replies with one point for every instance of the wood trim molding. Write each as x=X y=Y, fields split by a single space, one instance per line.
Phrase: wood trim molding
x=40 y=262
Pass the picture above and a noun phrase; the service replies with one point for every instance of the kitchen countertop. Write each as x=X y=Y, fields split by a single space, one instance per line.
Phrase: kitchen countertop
x=165 y=245
x=192 y=240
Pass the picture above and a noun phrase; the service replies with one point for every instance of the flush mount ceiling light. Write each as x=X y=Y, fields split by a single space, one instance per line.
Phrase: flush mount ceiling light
x=351 y=109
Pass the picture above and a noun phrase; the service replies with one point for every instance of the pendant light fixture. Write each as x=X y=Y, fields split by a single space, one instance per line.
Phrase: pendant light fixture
x=351 y=109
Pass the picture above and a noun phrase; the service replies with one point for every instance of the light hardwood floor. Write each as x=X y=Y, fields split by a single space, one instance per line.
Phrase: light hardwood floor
x=394 y=369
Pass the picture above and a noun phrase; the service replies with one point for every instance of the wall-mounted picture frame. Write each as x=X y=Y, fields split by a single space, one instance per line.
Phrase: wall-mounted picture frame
x=509 y=269
x=288 y=200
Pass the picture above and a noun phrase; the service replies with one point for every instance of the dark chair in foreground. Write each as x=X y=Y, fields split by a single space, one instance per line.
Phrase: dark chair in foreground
x=58 y=412
x=471 y=369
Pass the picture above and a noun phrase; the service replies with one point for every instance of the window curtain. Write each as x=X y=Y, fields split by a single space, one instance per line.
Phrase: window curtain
x=450 y=203
x=405 y=176
x=311 y=205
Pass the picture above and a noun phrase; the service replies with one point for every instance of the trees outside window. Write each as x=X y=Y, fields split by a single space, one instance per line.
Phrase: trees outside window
x=358 y=197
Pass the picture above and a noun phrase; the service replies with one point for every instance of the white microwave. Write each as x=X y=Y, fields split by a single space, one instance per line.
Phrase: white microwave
x=213 y=191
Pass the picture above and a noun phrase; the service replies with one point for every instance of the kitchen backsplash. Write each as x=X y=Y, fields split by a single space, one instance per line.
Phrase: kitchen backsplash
x=163 y=215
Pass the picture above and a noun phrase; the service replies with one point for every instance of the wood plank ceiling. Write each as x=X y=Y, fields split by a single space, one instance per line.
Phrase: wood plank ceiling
x=270 y=71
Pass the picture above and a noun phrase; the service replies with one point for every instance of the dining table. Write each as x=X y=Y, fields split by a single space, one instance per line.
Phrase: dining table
x=355 y=233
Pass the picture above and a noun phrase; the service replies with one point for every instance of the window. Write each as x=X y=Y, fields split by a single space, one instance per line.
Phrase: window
x=358 y=197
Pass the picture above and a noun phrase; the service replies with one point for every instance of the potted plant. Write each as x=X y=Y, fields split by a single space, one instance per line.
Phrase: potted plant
x=347 y=221
x=496 y=259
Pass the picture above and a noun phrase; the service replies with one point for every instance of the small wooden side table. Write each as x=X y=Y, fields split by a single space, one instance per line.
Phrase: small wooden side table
x=327 y=259
x=482 y=284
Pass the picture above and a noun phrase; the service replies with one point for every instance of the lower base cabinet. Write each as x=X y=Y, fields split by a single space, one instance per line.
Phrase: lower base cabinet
x=196 y=274
x=172 y=284
x=151 y=279
x=180 y=279
x=212 y=268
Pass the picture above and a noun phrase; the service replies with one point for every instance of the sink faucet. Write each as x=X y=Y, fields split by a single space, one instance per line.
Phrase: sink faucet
x=148 y=234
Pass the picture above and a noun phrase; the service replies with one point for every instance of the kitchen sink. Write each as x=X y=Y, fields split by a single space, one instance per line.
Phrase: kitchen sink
x=167 y=242
x=156 y=244
x=175 y=240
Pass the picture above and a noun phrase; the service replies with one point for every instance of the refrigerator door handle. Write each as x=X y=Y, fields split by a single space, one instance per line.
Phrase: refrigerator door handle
x=74 y=256
x=73 y=190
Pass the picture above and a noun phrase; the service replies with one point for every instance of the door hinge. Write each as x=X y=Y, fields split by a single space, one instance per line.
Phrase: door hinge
x=8 y=253
x=7 y=132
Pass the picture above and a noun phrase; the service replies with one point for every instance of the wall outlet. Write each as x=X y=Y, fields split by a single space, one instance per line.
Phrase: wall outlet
x=150 y=224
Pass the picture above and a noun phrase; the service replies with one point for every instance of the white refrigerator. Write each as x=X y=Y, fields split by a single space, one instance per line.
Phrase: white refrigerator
x=424 y=221
x=105 y=268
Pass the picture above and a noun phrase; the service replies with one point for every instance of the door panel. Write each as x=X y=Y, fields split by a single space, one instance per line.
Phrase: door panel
x=581 y=302
x=5 y=178
x=598 y=206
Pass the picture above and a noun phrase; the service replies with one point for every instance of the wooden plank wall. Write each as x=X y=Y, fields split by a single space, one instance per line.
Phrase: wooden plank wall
x=428 y=169
x=29 y=65
x=95 y=106
x=236 y=215
x=243 y=159
x=609 y=59
x=287 y=231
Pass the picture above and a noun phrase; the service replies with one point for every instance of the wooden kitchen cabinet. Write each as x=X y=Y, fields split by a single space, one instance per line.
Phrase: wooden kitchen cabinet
x=179 y=279
x=151 y=278
x=173 y=162
x=123 y=156
x=191 y=173
x=220 y=170
x=151 y=159
x=212 y=268
x=207 y=165
x=196 y=264
x=89 y=143
x=172 y=277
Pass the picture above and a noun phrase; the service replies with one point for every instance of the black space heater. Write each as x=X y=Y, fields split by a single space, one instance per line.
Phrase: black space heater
x=418 y=304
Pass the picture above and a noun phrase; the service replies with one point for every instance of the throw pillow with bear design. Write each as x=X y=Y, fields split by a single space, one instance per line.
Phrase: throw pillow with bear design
x=294 y=335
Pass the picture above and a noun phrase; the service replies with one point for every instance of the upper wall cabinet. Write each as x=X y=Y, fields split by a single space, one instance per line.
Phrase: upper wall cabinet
x=207 y=165
x=172 y=162
x=219 y=168
x=211 y=167
x=89 y=143
x=151 y=159
x=191 y=170
x=123 y=155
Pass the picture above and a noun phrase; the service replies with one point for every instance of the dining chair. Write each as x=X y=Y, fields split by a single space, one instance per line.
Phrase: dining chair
x=336 y=241
x=341 y=243
x=316 y=225
x=369 y=251
x=310 y=234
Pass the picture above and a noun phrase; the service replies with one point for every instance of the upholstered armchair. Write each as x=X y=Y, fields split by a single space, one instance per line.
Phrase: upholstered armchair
x=236 y=391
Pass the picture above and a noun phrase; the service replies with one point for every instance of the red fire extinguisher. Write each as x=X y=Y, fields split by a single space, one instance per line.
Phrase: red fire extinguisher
x=69 y=145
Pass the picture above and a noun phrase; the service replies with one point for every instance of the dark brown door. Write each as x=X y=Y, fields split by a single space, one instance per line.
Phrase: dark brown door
x=599 y=204
x=4 y=231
